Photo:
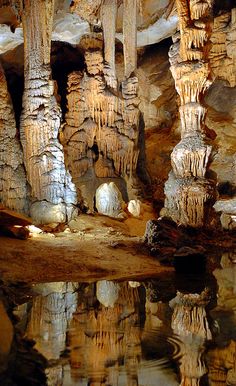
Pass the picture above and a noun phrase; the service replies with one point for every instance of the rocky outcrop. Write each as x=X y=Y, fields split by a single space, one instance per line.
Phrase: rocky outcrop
x=187 y=191
x=13 y=188
x=49 y=181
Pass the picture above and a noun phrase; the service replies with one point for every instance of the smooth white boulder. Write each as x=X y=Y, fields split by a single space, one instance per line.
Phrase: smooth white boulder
x=134 y=207
x=109 y=200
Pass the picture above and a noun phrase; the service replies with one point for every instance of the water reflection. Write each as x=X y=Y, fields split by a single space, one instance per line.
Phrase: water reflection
x=131 y=333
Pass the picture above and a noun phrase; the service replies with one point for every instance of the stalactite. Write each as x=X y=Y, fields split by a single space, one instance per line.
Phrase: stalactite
x=130 y=36
x=40 y=120
x=188 y=193
x=13 y=189
x=108 y=18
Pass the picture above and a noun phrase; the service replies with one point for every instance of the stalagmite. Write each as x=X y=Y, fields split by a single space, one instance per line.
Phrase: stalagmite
x=13 y=189
x=49 y=181
x=188 y=193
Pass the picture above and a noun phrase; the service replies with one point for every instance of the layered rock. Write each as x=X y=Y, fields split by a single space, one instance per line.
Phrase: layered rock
x=49 y=181
x=187 y=191
x=13 y=189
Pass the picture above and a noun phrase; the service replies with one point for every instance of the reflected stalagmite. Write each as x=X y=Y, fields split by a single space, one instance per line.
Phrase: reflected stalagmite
x=49 y=320
x=189 y=322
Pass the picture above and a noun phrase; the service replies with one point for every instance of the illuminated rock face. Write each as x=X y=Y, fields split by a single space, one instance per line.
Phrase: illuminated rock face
x=13 y=190
x=187 y=191
x=41 y=118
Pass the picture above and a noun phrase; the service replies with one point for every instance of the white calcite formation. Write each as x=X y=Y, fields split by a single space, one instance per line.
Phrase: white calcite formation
x=188 y=193
x=107 y=292
x=109 y=200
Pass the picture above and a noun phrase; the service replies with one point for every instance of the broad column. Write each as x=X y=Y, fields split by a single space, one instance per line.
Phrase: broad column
x=188 y=193
x=52 y=193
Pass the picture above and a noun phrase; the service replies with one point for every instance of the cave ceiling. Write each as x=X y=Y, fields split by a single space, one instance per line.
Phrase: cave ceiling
x=158 y=20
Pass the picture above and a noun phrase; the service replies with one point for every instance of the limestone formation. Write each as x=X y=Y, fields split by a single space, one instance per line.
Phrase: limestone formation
x=49 y=181
x=102 y=128
x=13 y=188
x=188 y=192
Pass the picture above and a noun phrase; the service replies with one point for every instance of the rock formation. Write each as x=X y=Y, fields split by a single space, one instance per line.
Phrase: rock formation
x=102 y=128
x=52 y=192
x=188 y=192
x=103 y=134
x=13 y=188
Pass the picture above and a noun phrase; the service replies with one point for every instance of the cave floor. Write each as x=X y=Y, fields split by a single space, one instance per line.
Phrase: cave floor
x=90 y=248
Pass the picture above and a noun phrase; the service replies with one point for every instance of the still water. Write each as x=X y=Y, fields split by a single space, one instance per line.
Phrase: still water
x=166 y=332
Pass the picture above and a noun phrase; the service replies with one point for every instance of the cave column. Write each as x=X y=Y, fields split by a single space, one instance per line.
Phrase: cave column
x=52 y=192
x=188 y=193
x=13 y=189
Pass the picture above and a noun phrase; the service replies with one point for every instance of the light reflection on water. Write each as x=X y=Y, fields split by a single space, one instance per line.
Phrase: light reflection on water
x=128 y=333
